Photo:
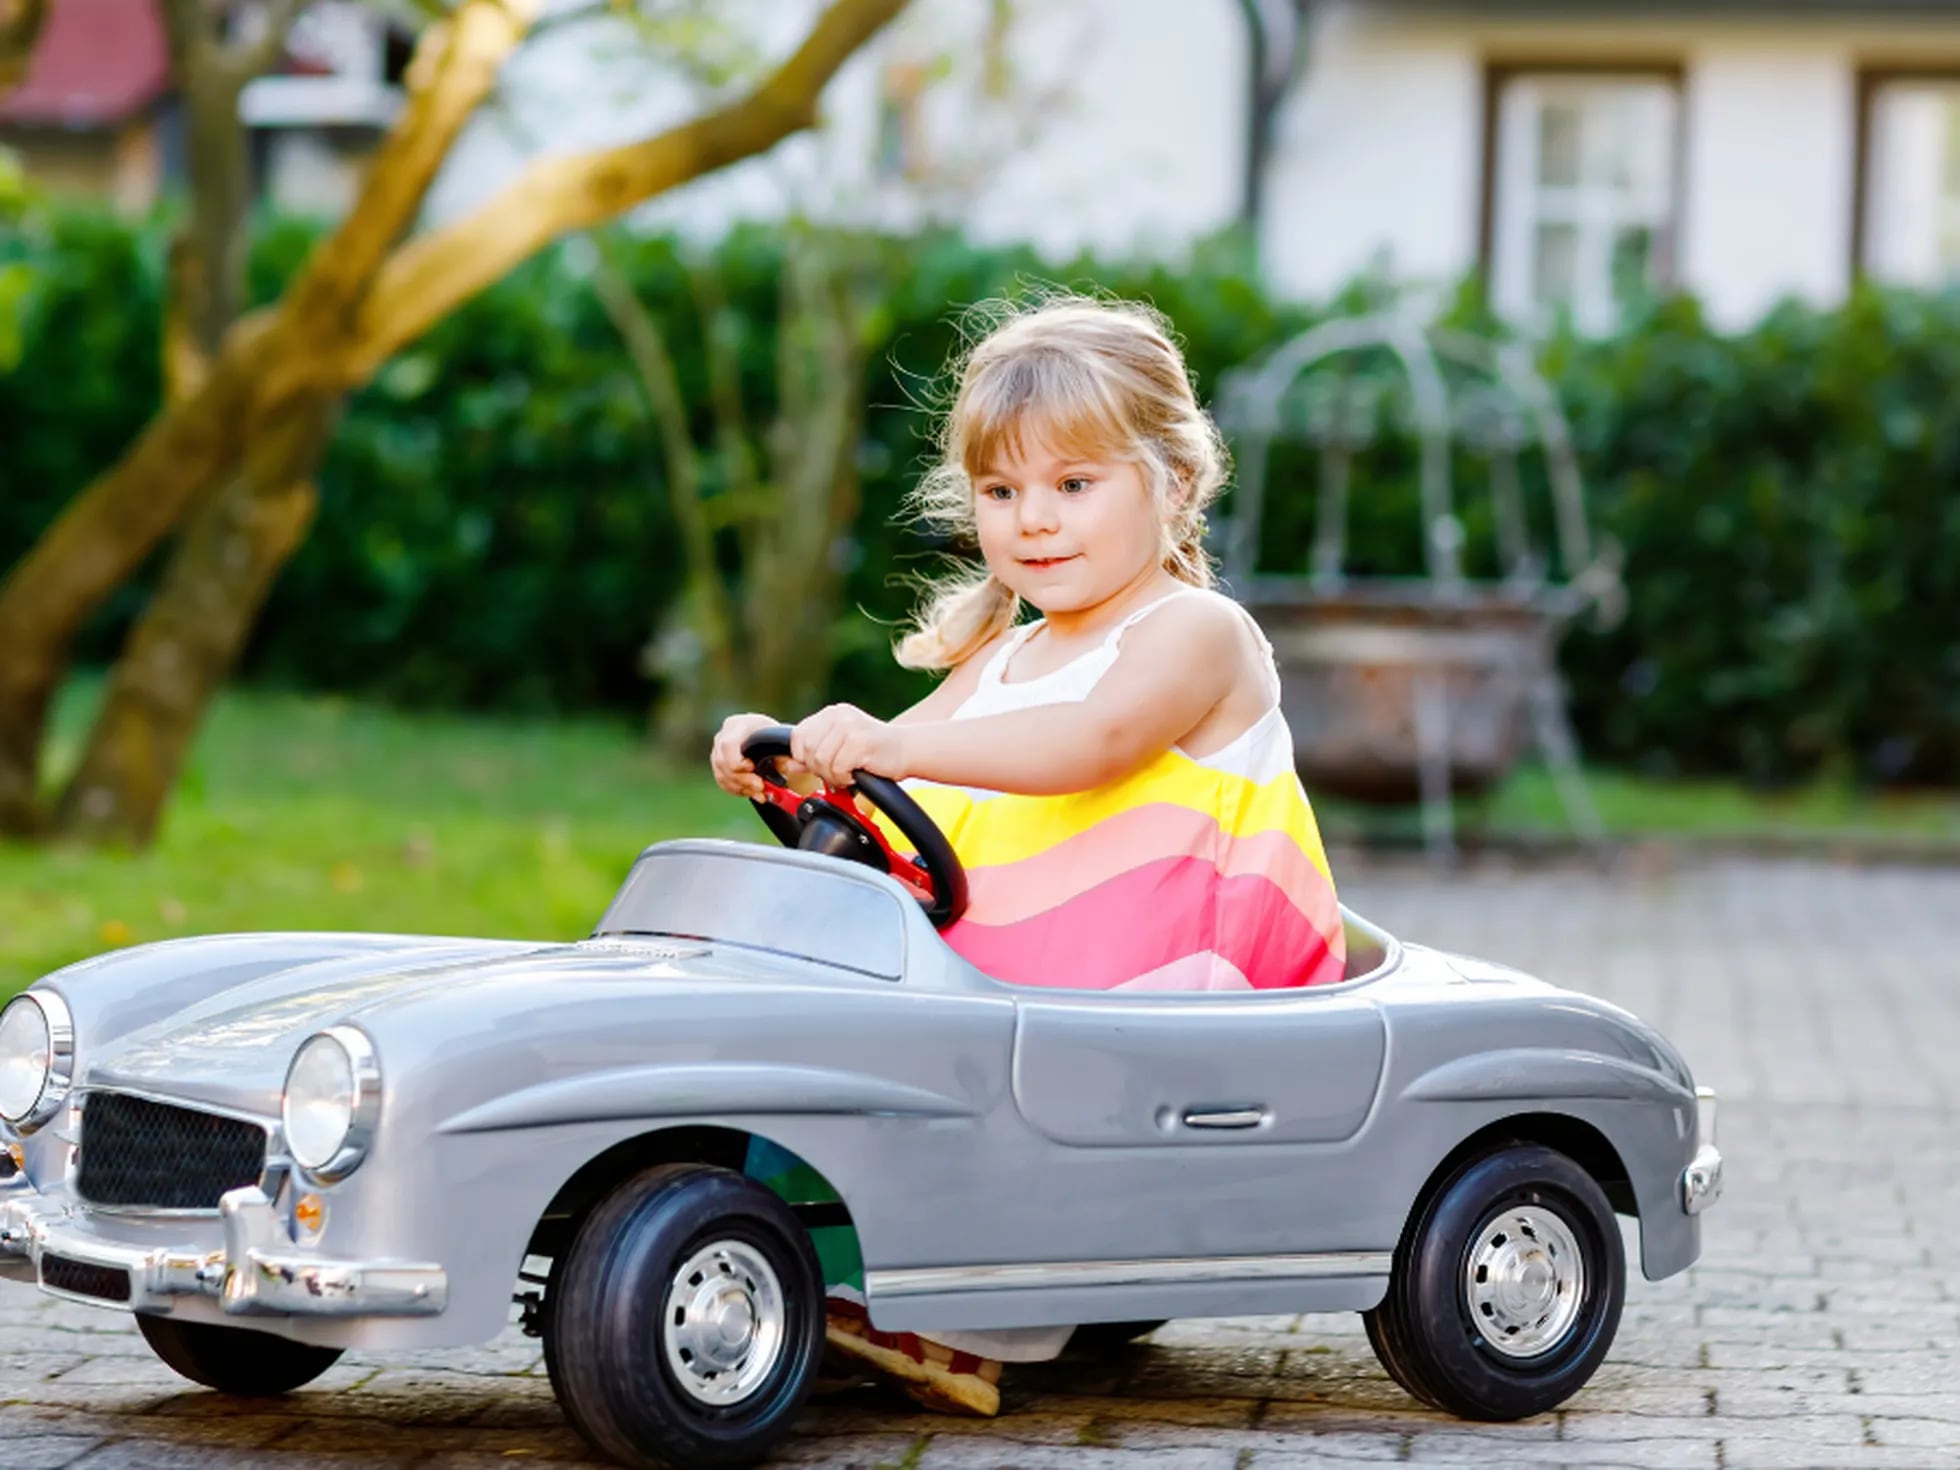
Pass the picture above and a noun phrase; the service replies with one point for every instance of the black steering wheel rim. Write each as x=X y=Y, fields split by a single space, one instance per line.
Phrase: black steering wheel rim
x=766 y=746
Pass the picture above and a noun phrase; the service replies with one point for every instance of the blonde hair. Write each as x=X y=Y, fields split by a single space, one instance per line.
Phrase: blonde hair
x=1102 y=379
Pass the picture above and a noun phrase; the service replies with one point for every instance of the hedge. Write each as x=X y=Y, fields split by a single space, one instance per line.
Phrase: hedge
x=493 y=529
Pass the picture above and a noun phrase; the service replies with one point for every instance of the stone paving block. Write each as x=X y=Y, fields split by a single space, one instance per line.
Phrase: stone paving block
x=1746 y=1453
x=45 y=1451
x=1479 y=1452
x=1933 y=1434
x=1816 y=1430
x=990 y=1453
x=144 y=1454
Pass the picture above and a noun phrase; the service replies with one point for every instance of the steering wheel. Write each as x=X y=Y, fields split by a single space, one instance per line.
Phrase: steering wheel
x=830 y=821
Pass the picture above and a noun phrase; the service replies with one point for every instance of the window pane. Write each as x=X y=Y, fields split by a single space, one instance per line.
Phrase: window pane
x=1555 y=263
x=1633 y=257
x=1558 y=143
x=1914 y=169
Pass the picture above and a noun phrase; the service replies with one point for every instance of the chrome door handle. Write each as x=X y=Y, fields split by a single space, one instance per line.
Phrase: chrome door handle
x=1248 y=1117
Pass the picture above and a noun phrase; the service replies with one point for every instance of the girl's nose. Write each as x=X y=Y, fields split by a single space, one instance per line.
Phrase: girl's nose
x=1038 y=511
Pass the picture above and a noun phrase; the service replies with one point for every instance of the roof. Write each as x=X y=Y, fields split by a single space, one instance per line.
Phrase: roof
x=98 y=62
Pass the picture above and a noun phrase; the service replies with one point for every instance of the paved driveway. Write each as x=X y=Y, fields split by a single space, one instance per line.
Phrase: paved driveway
x=1822 y=1328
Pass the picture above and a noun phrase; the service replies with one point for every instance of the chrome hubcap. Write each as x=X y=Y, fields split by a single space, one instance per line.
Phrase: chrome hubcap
x=723 y=1322
x=1524 y=1281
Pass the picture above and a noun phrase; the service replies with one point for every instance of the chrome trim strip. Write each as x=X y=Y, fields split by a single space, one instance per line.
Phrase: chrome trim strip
x=60 y=1023
x=934 y=1280
x=1704 y=1117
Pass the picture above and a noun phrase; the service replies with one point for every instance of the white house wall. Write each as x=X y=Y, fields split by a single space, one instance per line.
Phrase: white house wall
x=1381 y=156
x=1126 y=129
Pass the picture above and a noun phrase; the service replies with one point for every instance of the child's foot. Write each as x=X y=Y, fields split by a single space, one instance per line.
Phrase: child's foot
x=943 y=1380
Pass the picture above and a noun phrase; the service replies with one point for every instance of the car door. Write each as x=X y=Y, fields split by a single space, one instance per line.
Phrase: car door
x=1181 y=1125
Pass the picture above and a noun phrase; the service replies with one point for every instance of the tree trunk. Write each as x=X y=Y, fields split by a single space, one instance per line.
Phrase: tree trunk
x=190 y=635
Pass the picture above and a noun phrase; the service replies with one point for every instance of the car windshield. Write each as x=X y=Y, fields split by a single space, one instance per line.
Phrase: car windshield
x=805 y=913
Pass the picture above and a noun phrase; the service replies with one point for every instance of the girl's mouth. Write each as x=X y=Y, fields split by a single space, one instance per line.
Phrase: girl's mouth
x=1042 y=563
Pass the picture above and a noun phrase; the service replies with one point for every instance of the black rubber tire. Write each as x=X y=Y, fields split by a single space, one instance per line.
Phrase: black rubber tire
x=1104 y=1339
x=235 y=1360
x=1424 y=1332
x=1394 y=1356
x=603 y=1328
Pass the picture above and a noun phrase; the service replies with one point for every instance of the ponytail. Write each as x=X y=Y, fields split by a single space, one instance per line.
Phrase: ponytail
x=959 y=618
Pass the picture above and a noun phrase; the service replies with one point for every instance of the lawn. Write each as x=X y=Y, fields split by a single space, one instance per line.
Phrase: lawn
x=312 y=812
x=309 y=812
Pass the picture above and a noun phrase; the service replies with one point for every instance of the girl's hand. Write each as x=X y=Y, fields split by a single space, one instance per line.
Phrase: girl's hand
x=735 y=773
x=841 y=738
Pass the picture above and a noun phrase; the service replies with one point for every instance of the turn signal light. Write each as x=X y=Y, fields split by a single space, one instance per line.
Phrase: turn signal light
x=310 y=1214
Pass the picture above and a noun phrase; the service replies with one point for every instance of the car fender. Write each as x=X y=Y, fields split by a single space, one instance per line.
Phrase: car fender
x=1537 y=1074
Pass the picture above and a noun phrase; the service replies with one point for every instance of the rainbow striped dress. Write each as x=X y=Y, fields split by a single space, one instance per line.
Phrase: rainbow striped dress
x=1191 y=873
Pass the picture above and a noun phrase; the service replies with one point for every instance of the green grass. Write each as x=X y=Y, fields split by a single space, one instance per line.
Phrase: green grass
x=1712 y=811
x=311 y=812
x=302 y=812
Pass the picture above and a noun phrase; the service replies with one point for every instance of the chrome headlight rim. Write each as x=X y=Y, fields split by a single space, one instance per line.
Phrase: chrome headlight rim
x=60 y=1075
x=364 y=1067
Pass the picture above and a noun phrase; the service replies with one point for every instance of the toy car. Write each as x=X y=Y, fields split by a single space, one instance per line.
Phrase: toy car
x=276 y=1147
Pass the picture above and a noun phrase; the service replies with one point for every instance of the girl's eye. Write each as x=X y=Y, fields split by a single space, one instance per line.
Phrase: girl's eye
x=997 y=492
x=1075 y=485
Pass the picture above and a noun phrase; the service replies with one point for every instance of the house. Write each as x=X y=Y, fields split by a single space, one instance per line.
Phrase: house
x=98 y=113
x=1743 y=151
x=1568 y=153
x=91 y=115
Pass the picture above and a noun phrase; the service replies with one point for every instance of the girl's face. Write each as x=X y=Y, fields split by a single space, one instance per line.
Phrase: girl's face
x=1065 y=532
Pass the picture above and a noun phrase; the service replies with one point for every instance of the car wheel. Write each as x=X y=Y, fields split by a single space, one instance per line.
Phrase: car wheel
x=235 y=1360
x=1103 y=1339
x=683 y=1326
x=1506 y=1289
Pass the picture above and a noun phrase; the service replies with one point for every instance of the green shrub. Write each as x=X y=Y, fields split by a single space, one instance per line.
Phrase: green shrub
x=494 y=529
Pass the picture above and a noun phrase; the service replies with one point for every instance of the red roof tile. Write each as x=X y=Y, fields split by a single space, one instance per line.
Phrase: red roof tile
x=97 y=63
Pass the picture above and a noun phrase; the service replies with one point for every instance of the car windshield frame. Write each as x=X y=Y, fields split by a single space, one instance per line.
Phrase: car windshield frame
x=796 y=910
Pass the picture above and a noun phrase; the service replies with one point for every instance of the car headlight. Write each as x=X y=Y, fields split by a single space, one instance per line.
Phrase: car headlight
x=37 y=1058
x=333 y=1098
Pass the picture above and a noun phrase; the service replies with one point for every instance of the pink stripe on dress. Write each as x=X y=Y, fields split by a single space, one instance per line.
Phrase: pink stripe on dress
x=1009 y=893
x=1157 y=913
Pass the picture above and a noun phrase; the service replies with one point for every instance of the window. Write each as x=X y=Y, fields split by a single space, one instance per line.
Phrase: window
x=1582 y=192
x=1911 y=201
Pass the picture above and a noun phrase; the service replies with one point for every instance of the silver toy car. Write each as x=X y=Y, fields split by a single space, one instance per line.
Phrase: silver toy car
x=276 y=1147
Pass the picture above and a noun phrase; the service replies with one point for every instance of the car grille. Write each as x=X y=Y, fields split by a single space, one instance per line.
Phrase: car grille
x=152 y=1155
x=81 y=1278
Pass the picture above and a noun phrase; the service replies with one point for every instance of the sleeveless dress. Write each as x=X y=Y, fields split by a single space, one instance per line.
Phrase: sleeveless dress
x=1190 y=873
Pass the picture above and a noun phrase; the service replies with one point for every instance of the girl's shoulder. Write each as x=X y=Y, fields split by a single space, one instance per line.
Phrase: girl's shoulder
x=1214 y=617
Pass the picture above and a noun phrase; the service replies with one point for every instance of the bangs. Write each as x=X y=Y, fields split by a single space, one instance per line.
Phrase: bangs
x=1048 y=398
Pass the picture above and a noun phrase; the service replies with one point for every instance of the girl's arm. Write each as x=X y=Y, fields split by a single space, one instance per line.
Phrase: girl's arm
x=1171 y=671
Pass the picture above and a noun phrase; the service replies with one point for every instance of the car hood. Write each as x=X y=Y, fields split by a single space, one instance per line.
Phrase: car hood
x=233 y=1049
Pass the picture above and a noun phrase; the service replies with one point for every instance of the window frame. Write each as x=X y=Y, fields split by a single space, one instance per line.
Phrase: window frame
x=1501 y=74
x=1872 y=79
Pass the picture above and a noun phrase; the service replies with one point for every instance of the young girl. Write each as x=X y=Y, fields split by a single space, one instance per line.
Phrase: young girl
x=1115 y=776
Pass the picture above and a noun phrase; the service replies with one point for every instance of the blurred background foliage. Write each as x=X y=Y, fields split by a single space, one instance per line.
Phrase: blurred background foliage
x=494 y=531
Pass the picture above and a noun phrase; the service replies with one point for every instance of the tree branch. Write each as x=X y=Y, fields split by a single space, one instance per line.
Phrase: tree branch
x=430 y=277
x=241 y=62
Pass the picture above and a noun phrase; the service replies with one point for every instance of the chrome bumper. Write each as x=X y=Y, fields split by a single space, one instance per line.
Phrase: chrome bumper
x=1701 y=1181
x=258 y=1273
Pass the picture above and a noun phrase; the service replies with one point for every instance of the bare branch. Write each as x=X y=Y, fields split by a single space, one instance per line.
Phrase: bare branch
x=243 y=61
x=430 y=277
